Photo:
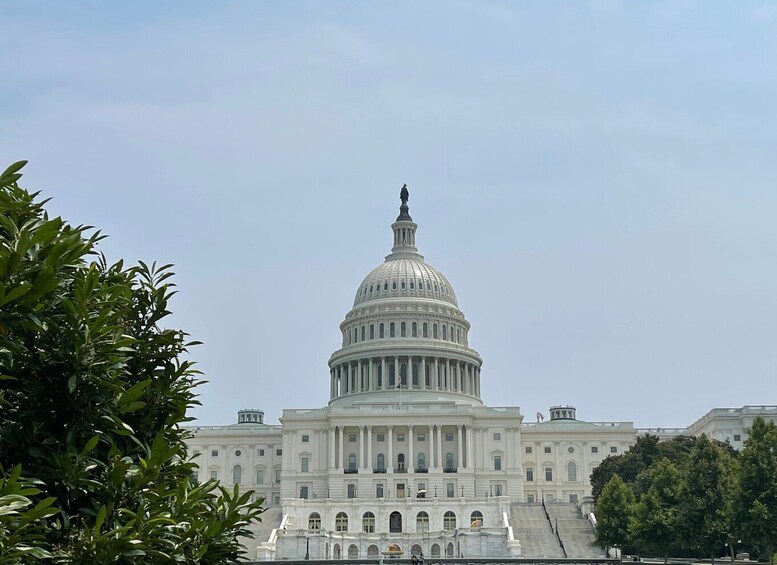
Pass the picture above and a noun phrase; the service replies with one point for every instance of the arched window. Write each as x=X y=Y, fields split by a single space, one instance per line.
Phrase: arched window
x=355 y=333
x=422 y=522
x=368 y=523
x=444 y=331
x=401 y=461
x=336 y=551
x=453 y=336
x=237 y=474
x=572 y=471
x=415 y=374
x=352 y=462
x=414 y=329
x=476 y=519
x=403 y=330
x=392 y=330
x=381 y=330
x=425 y=330
x=416 y=550
x=449 y=521
x=372 y=331
x=434 y=331
x=381 y=464
x=395 y=523
x=421 y=461
x=449 y=549
x=372 y=551
x=314 y=522
x=363 y=335
x=353 y=551
x=449 y=460
x=435 y=547
x=341 y=522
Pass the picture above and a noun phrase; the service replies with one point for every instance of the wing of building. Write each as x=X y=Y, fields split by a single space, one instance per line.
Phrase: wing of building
x=405 y=458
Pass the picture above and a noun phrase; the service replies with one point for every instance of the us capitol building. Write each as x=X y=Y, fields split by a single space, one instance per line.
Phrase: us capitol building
x=406 y=458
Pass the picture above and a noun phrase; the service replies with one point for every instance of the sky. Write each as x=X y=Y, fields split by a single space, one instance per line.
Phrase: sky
x=597 y=179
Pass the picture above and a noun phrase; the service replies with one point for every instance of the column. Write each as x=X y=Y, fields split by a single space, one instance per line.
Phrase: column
x=390 y=438
x=371 y=376
x=422 y=374
x=397 y=378
x=448 y=375
x=340 y=450
x=361 y=447
x=508 y=448
x=369 y=447
x=440 y=462
x=411 y=462
x=470 y=460
x=431 y=448
x=359 y=381
x=435 y=380
x=460 y=446
x=332 y=461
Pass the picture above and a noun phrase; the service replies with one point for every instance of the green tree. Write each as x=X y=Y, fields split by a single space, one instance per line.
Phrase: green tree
x=705 y=498
x=613 y=513
x=94 y=390
x=653 y=526
x=755 y=504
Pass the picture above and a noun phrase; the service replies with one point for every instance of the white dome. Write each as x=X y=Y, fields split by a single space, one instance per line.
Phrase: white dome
x=405 y=278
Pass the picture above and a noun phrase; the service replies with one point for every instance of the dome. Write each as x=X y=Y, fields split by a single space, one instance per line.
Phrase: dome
x=405 y=278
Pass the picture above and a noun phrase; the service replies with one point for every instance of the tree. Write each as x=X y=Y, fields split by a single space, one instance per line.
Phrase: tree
x=755 y=505
x=93 y=394
x=653 y=526
x=613 y=513
x=705 y=498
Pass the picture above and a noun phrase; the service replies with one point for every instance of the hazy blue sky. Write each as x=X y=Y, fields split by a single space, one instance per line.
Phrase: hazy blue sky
x=597 y=179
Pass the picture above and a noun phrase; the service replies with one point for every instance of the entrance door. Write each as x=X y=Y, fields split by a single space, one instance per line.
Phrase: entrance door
x=401 y=490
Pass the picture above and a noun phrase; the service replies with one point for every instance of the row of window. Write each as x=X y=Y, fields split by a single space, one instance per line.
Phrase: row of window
x=570 y=449
x=237 y=475
x=395 y=521
x=404 y=284
x=571 y=473
x=259 y=452
x=446 y=332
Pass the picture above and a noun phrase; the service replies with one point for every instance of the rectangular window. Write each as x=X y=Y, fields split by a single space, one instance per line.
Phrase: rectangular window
x=530 y=498
x=572 y=498
x=400 y=437
x=737 y=437
x=380 y=437
x=214 y=474
x=497 y=436
x=497 y=462
x=594 y=449
x=305 y=463
x=379 y=491
x=276 y=498
x=305 y=439
x=613 y=449
x=214 y=453
x=450 y=490
x=352 y=438
x=278 y=452
x=351 y=490
x=421 y=486
x=420 y=437
x=303 y=492
x=448 y=437
x=528 y=449
x=529 y=474
x=547 y=449
x=277 y=476
x=260 y=476
x=497 y=490
x=260 y=452
x=548 y=473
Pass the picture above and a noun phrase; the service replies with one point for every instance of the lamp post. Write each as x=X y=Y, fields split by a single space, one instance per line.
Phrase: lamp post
x=307 y=548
